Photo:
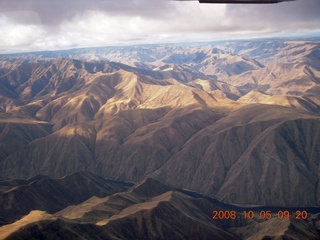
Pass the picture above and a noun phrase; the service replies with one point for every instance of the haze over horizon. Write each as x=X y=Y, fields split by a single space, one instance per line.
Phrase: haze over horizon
x=34 y=25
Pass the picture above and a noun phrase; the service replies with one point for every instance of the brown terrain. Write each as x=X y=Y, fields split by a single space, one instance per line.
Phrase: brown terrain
x=238 y=122
x=149 y=210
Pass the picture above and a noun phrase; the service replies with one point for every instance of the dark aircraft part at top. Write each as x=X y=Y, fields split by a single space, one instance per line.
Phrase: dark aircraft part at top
x=241 y=1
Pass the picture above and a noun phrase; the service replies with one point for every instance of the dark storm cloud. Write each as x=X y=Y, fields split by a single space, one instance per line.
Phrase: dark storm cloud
x=54 y=12
x=289 y=15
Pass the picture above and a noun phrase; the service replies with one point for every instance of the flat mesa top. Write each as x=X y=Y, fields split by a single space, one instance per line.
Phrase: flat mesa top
x=240 y=1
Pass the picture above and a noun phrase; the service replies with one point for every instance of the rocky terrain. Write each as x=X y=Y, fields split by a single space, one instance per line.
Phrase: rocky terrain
x=236 y=121
x=150 y=210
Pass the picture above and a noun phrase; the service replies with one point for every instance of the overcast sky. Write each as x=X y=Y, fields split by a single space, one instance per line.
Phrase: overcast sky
x=31 y=25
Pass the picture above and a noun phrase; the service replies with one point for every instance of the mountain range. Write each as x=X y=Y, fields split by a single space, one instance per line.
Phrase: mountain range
x=233 y=121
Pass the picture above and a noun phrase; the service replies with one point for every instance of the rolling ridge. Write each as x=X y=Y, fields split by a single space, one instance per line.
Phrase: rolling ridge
x=242 y=131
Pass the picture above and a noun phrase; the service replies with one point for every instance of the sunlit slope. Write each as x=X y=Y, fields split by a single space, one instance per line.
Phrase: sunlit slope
x=290 y=77
x=246 y=136
x=118 y=118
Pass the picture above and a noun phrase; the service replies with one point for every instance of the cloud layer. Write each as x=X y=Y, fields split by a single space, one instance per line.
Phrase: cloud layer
x=44 y=24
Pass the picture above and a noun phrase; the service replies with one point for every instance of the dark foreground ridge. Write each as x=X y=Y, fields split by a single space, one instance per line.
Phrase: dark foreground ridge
x=19 y=197
x=147 y=210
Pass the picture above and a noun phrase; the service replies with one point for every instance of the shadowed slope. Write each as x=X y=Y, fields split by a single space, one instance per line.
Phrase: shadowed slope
x=258 y=154
x=52 y=195
x=160 y=214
